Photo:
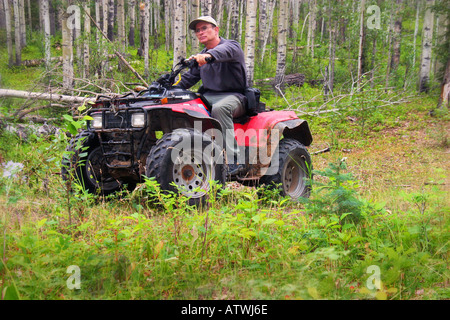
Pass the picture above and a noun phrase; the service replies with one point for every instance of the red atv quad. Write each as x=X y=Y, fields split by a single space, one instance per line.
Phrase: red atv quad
x=167 y=133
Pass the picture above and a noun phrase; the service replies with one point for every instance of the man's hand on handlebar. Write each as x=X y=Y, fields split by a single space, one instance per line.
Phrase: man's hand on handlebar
x=202 y=58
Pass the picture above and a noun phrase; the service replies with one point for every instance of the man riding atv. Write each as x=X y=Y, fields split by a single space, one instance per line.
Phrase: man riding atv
x=178 y=137
x=221 y=67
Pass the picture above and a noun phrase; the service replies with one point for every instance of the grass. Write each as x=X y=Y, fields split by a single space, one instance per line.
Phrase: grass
x=380 y=202
x=394 y=182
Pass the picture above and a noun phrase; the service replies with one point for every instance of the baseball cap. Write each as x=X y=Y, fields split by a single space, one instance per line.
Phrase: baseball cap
x=200 y=19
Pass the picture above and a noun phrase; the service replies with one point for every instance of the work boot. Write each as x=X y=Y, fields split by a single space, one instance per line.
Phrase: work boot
x=234 y=169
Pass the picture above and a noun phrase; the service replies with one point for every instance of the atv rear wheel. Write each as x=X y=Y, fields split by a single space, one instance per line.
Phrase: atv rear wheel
x=87 y=166
x=186 y=161
x=293 y=174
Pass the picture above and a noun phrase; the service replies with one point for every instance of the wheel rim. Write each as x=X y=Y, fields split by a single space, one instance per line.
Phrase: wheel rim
x=97 y=171
x=294 y=174
x=191 y=174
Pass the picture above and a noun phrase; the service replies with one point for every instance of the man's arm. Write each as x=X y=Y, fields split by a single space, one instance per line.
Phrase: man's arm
x=190 y=78
x=227 y=51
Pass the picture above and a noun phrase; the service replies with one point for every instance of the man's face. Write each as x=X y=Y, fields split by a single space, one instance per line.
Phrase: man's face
x=206 y=32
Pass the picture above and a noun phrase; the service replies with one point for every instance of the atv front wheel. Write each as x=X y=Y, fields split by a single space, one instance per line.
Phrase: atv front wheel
x=294 y=173
x=85 y=164
x=186 y=161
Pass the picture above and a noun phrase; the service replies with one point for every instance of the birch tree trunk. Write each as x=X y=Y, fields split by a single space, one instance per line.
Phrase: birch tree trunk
x=179 y=42
x=444 y=98
x=17 y=35
x=97 y=19
x=195 y=13
x=425 y=65
x=361 y=45
x=132 y=17
x=241 y=18
x=30 y=22
x=111 y=20
x=23 y=30
x=87 y=31
x=46 y=24
x=219 y=14
x=268 y=29
x=389 y=43
x=311 y=27
x=397 y=37
x=8 y=32
x=416 y=32
x=76 y=33
x=250 y=39
x=282 y=41
x=121 y=25
x=67 y=50
x=145 y=37
x=207 y=8
x=262 y=22
x=2 y=14
x=332 y=50
x=167 y=24
x=235 y=20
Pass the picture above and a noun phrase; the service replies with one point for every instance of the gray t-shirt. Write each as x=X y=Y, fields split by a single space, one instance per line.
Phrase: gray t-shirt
x=227 y=73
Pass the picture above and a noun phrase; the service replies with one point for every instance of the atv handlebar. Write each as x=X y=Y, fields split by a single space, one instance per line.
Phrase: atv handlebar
x=167 y=80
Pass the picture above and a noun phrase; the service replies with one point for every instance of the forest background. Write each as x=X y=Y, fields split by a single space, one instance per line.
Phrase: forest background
x=371 y=77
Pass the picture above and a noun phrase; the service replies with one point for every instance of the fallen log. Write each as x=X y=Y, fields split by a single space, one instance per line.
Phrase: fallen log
x=56 y=97
x=297 y=79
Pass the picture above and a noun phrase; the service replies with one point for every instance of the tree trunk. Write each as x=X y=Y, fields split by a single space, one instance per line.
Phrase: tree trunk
x=17 y=35
x=396 y=41
x=241 y=19
x=145 y=38
x=87 y=32
x=30 y=22
x=296 y=17
x=179 y=41
x=235 y=20
x=282 y=38
x=268 y=29
x=195 y=14
x=219 y=13
x=332 y=52
x=389 y=44
x=8 y=32
x=67 y=51
x=42 y=96
x=121 y=25
x=444 y=98
x=132 y=15
x=311 y=27
x=111 y=20
x=23 y=30
x=46 y=24
x=361 y=46
x=262 y=22
x=2 y=14
x=167 y=23
x=425 y=65
x=97 y=19
x=250 y=39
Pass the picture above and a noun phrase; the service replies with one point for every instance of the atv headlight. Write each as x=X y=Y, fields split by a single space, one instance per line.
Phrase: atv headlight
x=97 y=121
x=138 y=120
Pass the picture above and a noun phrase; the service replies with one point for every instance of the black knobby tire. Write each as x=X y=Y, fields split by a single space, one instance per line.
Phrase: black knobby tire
x=186 y=161
x=85 y=164
x=293 y=173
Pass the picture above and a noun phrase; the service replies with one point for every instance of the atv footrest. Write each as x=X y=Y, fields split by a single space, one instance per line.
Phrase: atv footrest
x=115 y=142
